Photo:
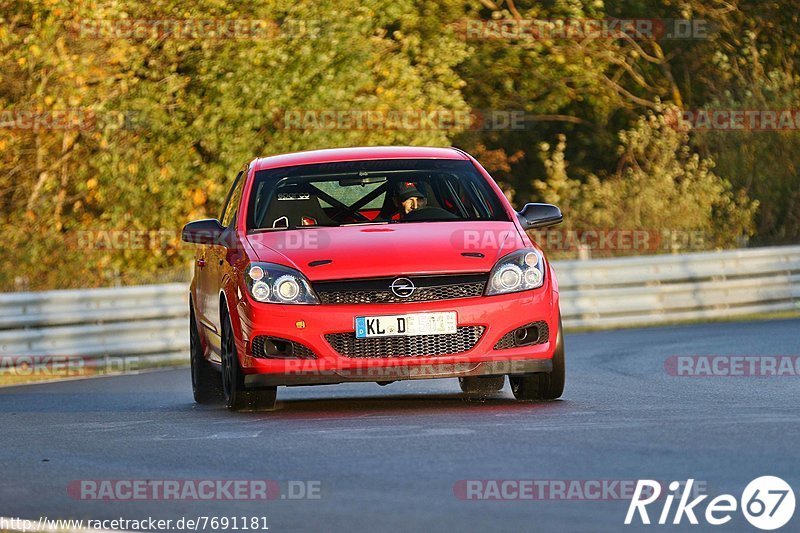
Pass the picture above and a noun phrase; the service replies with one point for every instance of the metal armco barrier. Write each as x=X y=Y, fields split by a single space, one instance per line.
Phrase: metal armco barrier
x=150 y=322
x=665 y=288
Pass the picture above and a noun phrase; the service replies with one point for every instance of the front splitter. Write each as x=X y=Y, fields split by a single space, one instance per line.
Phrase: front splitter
x=400 y=372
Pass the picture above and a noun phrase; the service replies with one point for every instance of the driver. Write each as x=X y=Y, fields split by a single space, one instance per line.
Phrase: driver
x=408 y=198
x=413 y=205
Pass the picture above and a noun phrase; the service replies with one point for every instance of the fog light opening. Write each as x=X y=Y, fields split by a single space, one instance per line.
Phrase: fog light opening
x=275 y=347
x=525 y=336
x=278 y=348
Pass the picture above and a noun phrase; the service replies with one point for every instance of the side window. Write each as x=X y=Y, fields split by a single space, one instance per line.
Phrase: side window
x=232 y=201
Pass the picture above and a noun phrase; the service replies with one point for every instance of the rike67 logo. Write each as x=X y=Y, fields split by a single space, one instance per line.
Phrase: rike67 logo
x=767 y=503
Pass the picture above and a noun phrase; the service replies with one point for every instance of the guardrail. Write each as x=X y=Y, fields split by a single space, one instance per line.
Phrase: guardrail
x=151 y=321
x=668 y=288
x=148 y=321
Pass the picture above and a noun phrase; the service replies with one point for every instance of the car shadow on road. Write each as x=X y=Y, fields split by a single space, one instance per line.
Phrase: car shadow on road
x=395 y=405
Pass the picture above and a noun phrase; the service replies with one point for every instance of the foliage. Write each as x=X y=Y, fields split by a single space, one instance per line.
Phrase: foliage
x=167 y=122
x=661 y=184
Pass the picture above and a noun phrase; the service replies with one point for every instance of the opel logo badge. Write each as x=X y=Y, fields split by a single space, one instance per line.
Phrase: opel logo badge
x=403 y=287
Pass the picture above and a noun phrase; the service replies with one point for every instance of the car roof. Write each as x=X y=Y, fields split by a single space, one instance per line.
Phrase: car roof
x=334 y=155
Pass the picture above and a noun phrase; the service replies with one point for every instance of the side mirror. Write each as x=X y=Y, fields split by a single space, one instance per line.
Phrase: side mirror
x=207 y=231
x=539 y=216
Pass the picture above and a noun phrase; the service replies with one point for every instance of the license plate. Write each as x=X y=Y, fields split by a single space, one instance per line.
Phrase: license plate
x=403 y=325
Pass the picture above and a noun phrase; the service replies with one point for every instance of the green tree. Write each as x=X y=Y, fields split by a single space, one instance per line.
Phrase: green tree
x=662 y=185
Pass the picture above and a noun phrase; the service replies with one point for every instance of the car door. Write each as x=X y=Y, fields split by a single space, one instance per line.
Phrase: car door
x=211 y=265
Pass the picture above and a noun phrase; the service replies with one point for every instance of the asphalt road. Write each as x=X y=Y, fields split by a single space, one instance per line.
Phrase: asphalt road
x=389 y=458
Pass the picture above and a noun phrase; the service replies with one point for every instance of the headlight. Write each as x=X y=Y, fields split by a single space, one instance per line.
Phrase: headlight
x=278 y=284
x=518 y=271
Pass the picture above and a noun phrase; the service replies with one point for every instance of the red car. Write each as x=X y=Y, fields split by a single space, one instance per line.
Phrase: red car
x=371 y=264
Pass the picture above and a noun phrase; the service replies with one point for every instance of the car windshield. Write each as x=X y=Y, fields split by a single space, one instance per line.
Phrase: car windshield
x=371 y=192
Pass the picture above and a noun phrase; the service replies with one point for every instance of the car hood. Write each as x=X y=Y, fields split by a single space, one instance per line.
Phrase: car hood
x=376 y=250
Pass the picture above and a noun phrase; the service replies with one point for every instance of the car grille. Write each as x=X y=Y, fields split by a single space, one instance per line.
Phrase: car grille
x=507 y=340
x=291 y=349
x=377 y=290
x=465 y=338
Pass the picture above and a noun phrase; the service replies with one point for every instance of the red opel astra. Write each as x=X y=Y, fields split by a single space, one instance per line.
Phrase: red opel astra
x=371 y=264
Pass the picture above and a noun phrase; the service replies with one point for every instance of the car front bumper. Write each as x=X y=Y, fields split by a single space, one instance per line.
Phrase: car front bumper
x=308 y=325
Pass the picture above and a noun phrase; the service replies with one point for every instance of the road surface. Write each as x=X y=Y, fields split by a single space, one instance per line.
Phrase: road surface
x=396 y=457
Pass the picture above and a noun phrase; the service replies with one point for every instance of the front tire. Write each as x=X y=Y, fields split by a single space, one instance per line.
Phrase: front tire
x=206 y=383
x=543 y=386
x=237 y=398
